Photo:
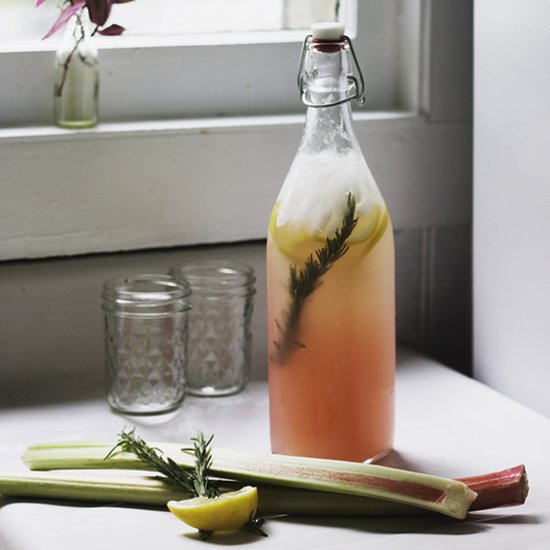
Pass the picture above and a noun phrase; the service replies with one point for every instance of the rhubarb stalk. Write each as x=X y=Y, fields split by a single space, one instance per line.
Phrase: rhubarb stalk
x=445 y=496
x=506 y=488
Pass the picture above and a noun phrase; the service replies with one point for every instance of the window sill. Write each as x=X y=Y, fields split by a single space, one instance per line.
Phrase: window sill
x=129 y=186
x=196 y=125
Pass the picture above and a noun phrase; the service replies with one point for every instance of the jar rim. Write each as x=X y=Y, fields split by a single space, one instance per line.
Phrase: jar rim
x=214 y=274
x=145 y=289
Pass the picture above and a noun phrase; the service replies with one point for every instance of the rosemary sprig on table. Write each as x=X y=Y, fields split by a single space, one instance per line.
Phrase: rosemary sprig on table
x=304 y=281
x=195 y=481
x=199 y=475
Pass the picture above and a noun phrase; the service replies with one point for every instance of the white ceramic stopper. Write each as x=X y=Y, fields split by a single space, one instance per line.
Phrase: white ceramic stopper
x=327 y=31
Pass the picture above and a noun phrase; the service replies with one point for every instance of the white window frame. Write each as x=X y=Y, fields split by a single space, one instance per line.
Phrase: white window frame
x=208 y=75
x=201 y=178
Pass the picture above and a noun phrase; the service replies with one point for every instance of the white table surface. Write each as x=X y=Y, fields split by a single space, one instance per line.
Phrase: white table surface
x=446 y=424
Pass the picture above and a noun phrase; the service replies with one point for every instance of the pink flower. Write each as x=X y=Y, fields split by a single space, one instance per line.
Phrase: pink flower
x=99 y=11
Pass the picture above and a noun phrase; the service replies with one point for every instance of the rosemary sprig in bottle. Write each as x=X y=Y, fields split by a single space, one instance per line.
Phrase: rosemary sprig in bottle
x=303 y=282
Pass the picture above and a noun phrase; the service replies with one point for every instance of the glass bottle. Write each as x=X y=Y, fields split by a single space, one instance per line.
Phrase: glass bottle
x=330 y=277
x=76 y=76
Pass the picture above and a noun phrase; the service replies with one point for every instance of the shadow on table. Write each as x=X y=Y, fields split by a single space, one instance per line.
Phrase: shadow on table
x=395 y=459
x=233 y=538
x=475 y=523
x=47 y=389
x=425 y=525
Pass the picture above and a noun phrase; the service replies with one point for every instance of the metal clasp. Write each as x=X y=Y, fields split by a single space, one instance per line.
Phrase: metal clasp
x=358 y=84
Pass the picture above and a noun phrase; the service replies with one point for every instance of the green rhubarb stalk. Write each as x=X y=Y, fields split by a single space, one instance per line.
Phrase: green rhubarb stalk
x=445 y=496
x=506 y=488
x=153 y=491
x=93 y=487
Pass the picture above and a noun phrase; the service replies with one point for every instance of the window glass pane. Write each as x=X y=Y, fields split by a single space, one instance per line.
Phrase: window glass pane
x=20 y=21
x=150 y=76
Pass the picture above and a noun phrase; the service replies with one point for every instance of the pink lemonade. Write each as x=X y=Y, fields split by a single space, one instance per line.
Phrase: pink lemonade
x=333 y=396
x=330 y=276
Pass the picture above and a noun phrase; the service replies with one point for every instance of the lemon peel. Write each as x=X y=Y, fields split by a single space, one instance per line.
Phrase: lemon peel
x=226 y=512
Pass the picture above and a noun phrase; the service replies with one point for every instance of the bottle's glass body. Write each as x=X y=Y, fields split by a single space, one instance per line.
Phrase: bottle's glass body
x=331 y=305
x=76 y=77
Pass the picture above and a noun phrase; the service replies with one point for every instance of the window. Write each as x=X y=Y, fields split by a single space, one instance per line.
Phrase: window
x=196 y=135
x=21 y=22
x=202 y=72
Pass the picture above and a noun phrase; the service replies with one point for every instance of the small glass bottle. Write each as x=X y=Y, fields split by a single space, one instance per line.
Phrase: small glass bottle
x=146 y=319
x=330 y=277
x=76 y=76
x=220 y=339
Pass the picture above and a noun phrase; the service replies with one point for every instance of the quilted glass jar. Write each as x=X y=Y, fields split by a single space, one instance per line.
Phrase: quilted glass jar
x=220 y=338
x=146 y=319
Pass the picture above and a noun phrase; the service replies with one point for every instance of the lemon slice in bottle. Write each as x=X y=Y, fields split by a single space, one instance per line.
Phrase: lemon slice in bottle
x=227 y=512
x=370 y=227
x=297 y=243
x=294 y=242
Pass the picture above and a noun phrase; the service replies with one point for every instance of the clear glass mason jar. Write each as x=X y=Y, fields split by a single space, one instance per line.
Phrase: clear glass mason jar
x=146 y=319
x=220 y=339
x=76 y=76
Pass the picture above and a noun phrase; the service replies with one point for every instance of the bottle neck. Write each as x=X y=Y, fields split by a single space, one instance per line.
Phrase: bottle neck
x=329 y=129
x=326 y=90
x=77 y=41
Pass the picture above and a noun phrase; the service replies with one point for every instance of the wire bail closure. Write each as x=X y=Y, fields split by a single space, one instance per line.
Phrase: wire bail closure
x=358 y=84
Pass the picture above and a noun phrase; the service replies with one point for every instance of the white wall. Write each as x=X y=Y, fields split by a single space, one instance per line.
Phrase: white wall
x=512 y=198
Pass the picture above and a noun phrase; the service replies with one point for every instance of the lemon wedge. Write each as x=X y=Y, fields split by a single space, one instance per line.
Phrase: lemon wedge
x=297 y=243
x=227 y=512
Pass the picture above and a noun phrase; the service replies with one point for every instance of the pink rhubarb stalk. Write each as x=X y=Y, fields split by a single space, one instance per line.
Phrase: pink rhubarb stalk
x=441 y=495
x=506 y=488
x=294 y=482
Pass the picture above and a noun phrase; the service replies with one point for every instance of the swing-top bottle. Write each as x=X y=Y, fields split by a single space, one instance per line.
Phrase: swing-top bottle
x=330 y=277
